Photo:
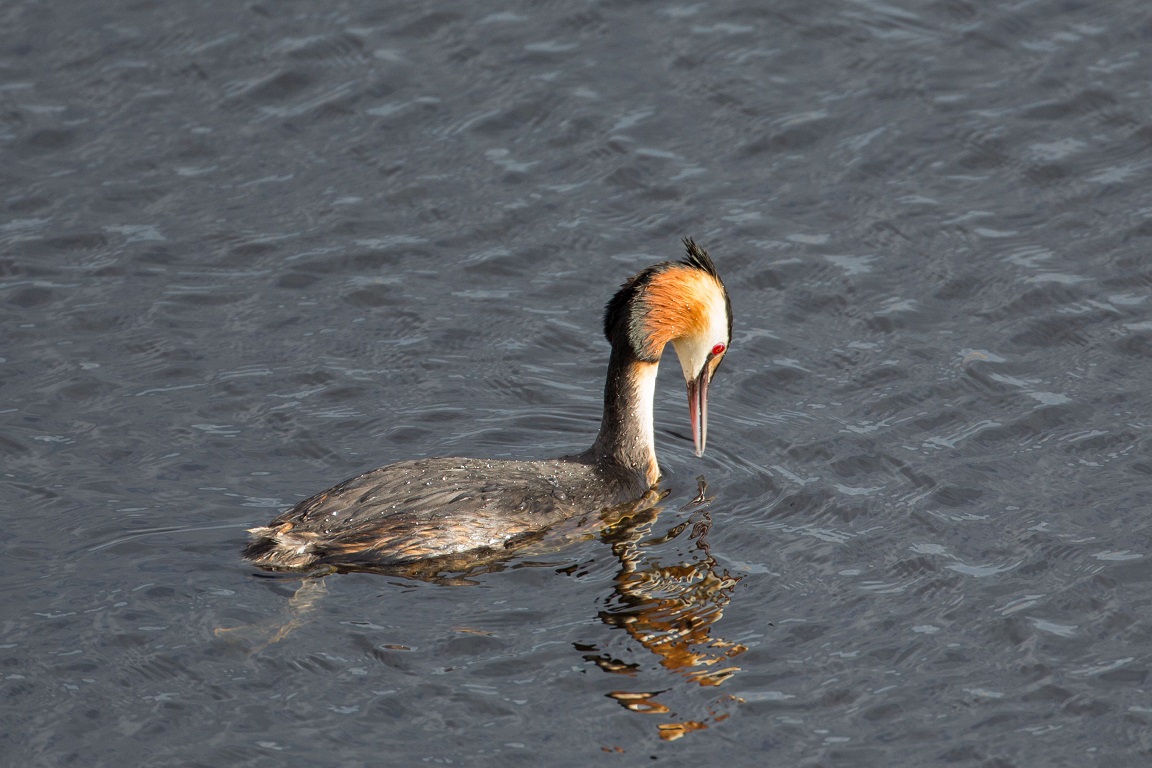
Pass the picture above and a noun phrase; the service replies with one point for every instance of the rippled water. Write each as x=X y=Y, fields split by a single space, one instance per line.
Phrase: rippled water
x=247 y=251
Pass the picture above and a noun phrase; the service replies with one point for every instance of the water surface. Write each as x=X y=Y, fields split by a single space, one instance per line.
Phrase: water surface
x=248 y=251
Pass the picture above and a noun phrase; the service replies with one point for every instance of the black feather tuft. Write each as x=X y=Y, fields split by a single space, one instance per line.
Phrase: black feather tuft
x=698 y=257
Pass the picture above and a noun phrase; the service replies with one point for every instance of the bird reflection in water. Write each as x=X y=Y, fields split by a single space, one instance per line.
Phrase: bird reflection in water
x=670 y=610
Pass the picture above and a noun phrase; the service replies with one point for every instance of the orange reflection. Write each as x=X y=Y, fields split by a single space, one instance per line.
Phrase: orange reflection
x=670 y=610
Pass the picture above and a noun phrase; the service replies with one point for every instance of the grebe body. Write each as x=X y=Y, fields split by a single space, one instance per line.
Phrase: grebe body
x=441 y=508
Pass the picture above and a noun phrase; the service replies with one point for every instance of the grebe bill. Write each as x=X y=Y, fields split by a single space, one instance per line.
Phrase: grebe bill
x=456 y=508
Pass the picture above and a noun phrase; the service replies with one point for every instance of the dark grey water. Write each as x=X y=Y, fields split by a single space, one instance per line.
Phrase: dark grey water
x=248 y=250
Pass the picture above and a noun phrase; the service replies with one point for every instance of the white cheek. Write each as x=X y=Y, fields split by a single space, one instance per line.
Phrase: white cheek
x=692 y=353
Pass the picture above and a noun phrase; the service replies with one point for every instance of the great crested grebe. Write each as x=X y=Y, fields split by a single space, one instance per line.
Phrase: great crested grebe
x=426 y=509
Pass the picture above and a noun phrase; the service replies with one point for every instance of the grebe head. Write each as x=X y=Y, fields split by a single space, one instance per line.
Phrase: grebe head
x=683 y=303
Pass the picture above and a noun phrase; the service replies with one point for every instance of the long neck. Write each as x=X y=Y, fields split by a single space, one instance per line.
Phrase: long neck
x=625 y=437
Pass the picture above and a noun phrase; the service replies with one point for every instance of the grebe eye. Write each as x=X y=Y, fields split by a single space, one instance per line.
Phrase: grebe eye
x=718 y=349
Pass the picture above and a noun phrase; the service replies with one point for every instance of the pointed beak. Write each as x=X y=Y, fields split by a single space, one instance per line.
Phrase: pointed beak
x=698 y=408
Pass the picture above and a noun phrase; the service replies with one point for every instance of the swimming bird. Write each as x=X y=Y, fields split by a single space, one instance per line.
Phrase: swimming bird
x=461 y=509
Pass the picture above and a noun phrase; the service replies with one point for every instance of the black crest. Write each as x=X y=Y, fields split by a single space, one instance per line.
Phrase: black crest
x=699 y=258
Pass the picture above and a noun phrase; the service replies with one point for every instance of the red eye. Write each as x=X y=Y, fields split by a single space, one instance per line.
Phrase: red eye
x=718 y=349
